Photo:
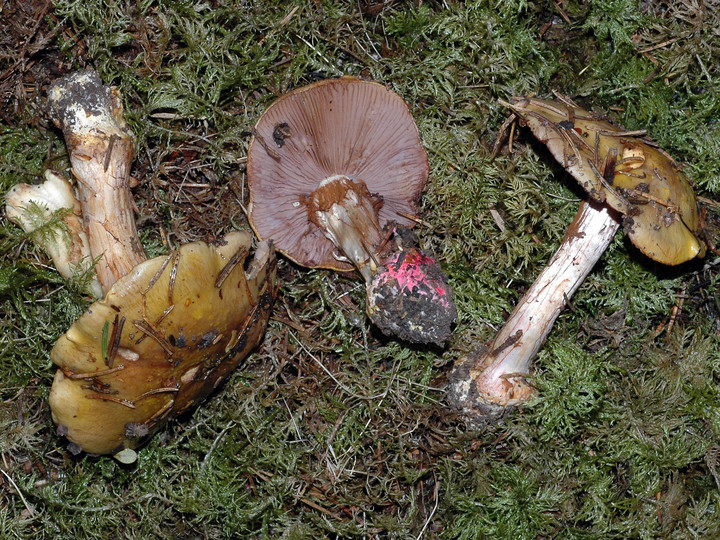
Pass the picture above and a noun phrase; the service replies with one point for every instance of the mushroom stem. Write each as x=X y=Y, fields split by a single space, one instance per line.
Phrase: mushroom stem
x=483 y=385
x=101 y=149
x=66 y=244
x=347 y=214
x=407 y=293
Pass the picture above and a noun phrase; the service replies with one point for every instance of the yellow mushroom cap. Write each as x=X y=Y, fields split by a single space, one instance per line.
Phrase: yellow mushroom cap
x=623 y=169
x=161 y=340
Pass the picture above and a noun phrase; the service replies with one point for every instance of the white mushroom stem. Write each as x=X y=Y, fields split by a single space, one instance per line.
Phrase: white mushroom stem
x=33 y=206
x=101 y=150
x=347 y=214
x=497 y=378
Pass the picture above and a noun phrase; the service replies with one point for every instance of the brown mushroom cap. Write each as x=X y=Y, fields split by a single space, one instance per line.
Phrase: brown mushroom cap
x=161 y=340
x=624 y=170
x=337 y=127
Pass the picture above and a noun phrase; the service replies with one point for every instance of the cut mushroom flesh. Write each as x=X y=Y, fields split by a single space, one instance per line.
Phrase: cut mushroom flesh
x=625 y=170
x=161 y=340
x=67 y=243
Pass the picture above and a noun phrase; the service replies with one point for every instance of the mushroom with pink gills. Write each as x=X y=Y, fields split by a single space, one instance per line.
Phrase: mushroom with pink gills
x=335 y=171
x=168 y=330
x=630 y=181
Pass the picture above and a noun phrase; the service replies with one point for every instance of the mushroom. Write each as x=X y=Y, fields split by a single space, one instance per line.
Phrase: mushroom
x=169 y=329
x=629 y=179
x=33 y=207
x=164 y=337
x=335 y=169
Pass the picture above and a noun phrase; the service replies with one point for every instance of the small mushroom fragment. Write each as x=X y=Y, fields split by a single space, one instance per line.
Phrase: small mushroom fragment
x=164 y=337
x=170 y=329
x=628 y=179
x=335 y=170
x=33 y=206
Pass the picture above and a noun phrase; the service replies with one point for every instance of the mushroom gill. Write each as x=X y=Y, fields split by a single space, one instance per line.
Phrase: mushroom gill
x=335 y=170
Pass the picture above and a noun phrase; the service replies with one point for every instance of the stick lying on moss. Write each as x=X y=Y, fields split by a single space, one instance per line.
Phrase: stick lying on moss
x=624 y=173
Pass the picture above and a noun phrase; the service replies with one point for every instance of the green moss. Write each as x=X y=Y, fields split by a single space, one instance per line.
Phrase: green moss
x=519 y=505
x=330 y=429
x=570 y=390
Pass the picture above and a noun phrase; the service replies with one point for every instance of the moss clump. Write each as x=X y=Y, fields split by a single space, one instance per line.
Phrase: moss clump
x=331 y=430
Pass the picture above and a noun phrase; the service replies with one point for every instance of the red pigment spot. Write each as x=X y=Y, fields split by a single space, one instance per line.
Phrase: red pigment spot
x=410 y=270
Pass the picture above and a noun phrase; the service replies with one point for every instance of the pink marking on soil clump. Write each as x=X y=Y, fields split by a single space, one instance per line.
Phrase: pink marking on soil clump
x=411 y=270
x=409 y=298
